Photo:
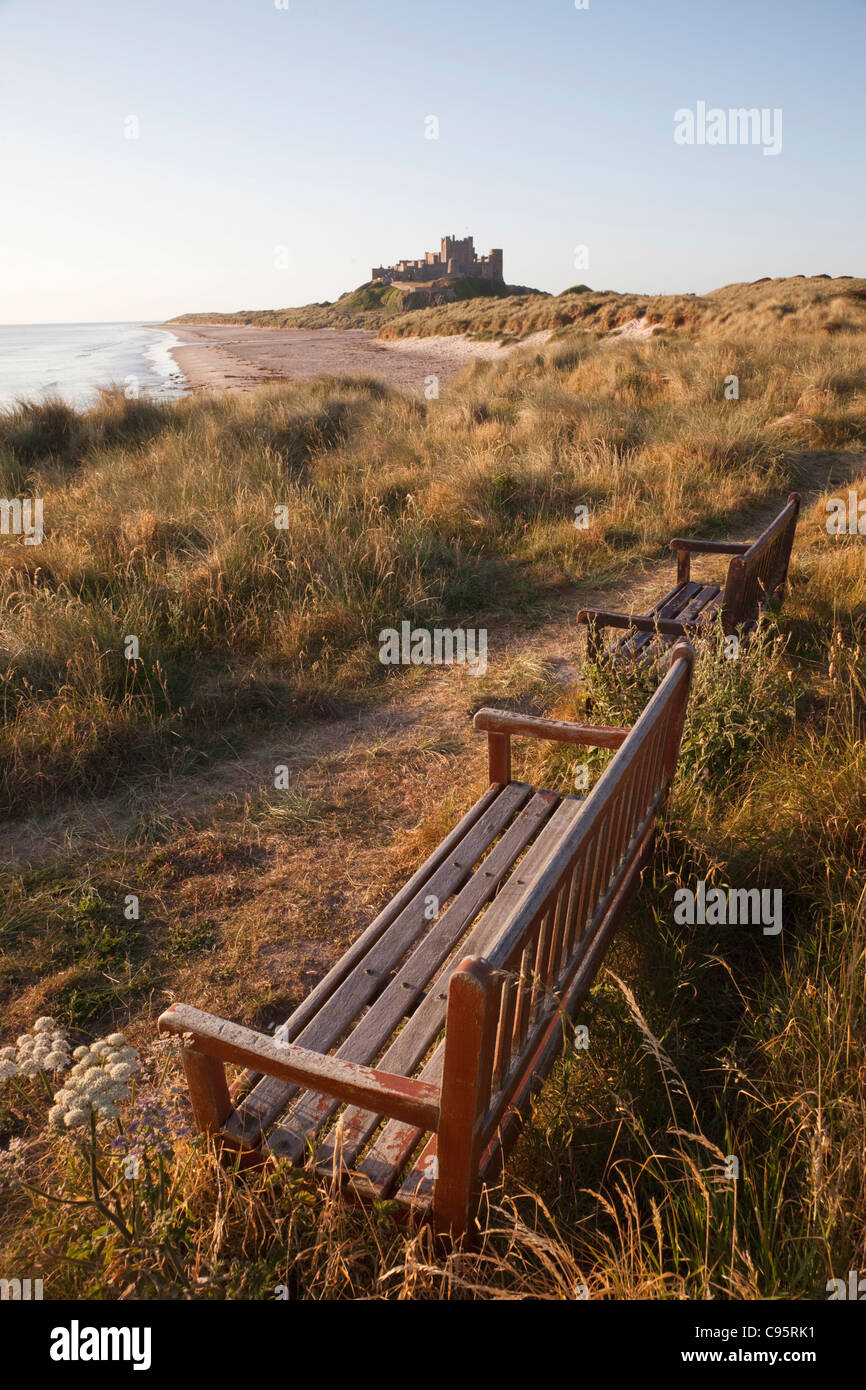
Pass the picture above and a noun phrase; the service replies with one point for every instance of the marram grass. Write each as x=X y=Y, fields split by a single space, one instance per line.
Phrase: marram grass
x=705 y=1044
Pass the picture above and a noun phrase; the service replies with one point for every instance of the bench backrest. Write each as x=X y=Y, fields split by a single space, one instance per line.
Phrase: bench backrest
x=755 y=576
x=547 y=930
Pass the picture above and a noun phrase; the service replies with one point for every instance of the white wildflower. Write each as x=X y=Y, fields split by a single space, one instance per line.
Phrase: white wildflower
x=98 y=1082
x=46 y=1048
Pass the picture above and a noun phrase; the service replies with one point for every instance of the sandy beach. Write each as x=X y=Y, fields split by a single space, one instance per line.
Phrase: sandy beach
x=221 y=357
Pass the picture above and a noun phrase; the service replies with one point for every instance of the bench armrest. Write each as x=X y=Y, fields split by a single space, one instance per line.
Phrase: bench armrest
x=711 y=547
x=686 y=546
x=213 y=1042
x=501 y=725
x=499 y=721
x=671 y=627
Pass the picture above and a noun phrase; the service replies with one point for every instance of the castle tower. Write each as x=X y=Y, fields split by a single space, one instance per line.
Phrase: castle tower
x=456 y=257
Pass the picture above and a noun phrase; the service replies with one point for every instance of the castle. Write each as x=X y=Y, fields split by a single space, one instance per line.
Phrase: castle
x=455 y=258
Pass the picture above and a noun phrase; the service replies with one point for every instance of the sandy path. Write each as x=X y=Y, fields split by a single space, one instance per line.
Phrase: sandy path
x=221 y=357
x=436 y=705
x=287 y=895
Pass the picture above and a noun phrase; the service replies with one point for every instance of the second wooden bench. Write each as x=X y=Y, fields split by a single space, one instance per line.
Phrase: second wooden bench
x=756 y=574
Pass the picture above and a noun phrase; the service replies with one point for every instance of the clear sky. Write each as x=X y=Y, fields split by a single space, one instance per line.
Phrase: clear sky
x=303 y=128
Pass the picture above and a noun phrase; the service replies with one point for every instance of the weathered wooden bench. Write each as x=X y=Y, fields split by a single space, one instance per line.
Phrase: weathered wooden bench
x=756 y=574
x=407 y=1070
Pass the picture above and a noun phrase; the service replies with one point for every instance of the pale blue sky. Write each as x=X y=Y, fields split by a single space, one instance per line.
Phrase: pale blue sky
x=263 y=127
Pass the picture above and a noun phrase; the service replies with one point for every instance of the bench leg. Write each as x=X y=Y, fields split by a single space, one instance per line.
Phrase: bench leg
x=208 y=1092
x=499 y=758
x=470 y=1039
x=785 y=550
x=733 y=599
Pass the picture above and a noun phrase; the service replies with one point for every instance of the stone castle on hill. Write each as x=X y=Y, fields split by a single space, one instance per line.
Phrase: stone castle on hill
x=455 y=258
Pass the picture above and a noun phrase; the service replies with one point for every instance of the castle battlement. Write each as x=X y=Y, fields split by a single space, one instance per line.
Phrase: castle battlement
x=456 y=257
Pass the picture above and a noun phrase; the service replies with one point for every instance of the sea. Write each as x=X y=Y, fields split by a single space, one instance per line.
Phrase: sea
x=73 y=361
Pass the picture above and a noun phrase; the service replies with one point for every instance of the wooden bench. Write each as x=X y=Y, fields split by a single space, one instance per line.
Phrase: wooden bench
x=406 y=1071
x=756 y=573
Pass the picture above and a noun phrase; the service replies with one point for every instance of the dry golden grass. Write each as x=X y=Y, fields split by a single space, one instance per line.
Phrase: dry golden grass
x=702 y=1044
x=791 y=305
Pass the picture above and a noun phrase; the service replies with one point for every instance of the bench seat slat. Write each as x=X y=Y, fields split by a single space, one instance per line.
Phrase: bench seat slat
x=414 y=1041
x=364 y=981
x=675 y=605
x=668 y=607
x=335 y=976
x=289 y=1136
x=395 y=1145
x=381 y=1168
x=701 y=605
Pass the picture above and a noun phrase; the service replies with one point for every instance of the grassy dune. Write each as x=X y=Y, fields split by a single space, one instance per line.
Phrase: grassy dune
x=367 y=307
x=796 y=304
x=705 y=1042
x=160 y=524
x=370 y=306
x=486 y=310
